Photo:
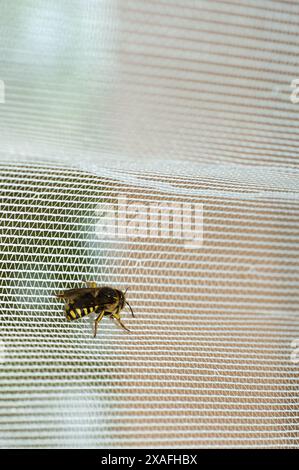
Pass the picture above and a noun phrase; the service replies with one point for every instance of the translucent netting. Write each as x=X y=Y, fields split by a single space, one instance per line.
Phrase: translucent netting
x=169 y=106
x=209 y=359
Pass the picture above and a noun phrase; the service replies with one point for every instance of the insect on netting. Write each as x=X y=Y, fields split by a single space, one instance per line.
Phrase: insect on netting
x=150 y=146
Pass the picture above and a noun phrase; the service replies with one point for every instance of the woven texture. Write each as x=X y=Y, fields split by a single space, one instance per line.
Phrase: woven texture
x=159 y=106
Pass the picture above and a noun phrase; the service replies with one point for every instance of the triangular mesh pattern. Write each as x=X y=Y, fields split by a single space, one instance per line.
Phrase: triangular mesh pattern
x=159 y=104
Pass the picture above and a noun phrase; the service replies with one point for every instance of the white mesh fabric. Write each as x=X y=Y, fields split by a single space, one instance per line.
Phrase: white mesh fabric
x=158 y=102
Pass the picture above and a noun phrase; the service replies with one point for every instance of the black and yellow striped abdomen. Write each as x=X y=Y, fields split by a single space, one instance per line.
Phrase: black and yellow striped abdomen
x=74 y=313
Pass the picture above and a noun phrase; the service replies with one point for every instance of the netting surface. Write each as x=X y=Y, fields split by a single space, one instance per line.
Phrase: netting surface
x=116 y=114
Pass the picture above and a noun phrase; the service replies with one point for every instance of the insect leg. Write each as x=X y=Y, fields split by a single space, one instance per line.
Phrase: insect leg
x=117 y=318
x=97 y=320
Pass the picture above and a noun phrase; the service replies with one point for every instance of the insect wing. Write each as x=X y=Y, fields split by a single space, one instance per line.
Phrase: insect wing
x=73 y=294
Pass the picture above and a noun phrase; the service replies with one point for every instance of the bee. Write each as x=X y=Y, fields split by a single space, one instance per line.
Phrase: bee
x=102 y=300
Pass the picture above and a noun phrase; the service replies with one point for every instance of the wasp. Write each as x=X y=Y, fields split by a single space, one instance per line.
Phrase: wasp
x=102 y=300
